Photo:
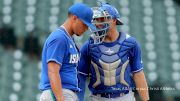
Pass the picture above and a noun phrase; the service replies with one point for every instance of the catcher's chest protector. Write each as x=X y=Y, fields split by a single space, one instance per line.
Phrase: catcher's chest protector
x=110 y=63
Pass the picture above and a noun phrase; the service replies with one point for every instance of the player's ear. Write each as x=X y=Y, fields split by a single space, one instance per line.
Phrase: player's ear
x=74 y=17
x=114 y=21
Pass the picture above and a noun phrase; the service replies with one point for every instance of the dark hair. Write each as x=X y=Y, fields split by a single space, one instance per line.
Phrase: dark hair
x=69 y=14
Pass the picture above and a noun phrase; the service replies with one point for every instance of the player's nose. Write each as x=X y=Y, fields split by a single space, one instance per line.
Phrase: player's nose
x=99 y=26
x=85 y=27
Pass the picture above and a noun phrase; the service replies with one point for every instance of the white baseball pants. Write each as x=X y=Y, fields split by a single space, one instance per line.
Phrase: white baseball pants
x=68 y=95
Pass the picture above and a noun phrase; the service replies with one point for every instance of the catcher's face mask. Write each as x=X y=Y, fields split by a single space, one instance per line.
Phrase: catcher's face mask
x=101 y=20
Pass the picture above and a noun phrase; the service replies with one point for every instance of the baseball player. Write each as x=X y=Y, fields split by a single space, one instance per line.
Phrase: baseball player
x=60 y=56
x=112 y=60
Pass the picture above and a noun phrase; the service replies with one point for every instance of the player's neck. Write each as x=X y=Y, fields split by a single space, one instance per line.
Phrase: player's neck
x=111 y=36
x=68 y=28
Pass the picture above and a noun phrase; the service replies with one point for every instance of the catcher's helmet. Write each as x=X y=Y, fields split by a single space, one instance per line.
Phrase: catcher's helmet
x=101 y=20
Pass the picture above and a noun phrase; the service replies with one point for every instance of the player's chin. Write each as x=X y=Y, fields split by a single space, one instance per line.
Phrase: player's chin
x=80 y=33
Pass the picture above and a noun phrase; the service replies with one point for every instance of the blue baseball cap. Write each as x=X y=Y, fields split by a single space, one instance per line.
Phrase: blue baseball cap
x=113 y=12
x=83 y=12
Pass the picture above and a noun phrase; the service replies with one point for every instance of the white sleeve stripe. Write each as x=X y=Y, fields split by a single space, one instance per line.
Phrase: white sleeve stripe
x=54 y=61
x=137 y=70
x=83 y=73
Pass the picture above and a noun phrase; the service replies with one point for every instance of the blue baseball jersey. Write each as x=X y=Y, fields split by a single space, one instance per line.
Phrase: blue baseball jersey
x=60 y=48
x=109 y=65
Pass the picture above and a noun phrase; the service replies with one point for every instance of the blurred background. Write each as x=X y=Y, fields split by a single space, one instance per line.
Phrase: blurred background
x=25 y=24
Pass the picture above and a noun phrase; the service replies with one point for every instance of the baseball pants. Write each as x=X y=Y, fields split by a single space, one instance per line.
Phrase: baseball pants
x=127 y=97
x=69 y=95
